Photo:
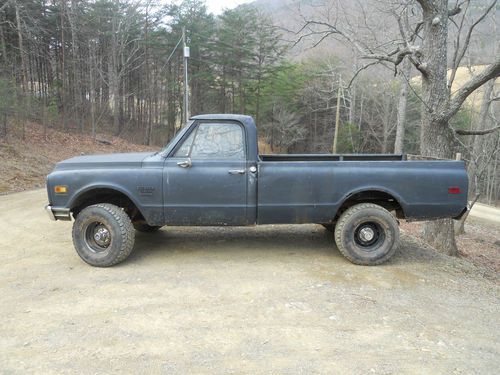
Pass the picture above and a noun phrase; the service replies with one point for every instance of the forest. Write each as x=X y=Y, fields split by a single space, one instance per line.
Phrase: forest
x=116 y=67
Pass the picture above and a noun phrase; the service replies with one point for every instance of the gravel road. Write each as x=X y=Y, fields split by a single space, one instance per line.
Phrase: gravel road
x=271 y=300
x=485 y=212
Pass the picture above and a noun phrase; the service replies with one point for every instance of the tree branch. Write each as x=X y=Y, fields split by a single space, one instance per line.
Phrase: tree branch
x=359 y=71
x=459 y=55
x=416 y=31
x=476 y=132
x=425 y=4
x=404 y=48
x=490 y=72
x=454 y=11
x=4 y=5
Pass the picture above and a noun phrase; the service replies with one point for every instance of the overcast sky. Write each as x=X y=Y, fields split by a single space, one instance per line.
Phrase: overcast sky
x=216 y=6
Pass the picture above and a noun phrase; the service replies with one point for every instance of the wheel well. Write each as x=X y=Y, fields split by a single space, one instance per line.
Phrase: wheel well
x=106 y=195
x=381 y=198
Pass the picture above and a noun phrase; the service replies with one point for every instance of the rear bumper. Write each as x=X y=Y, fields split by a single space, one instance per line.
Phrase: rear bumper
x=56 y=213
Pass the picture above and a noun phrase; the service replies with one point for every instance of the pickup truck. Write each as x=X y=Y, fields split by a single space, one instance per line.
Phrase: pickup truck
x=211 y=174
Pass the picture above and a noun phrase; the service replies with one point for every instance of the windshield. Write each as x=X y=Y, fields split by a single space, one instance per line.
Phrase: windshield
x=176 y=138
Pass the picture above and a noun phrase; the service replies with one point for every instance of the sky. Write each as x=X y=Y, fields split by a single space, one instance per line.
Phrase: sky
x=216 y=6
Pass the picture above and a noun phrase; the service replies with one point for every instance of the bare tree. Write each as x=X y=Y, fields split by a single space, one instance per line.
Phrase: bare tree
x=426 y=47
x=402 y=104
x=285 y=128
x=124 y=56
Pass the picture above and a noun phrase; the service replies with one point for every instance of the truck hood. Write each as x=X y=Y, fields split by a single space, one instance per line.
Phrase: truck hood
x=133 y=159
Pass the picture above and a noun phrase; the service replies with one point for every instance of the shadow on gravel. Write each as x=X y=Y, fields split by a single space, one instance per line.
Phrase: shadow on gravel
x=253 y=242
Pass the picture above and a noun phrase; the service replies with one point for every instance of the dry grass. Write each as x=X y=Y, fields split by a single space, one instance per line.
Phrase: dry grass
x=25 y=163
x=480 y=244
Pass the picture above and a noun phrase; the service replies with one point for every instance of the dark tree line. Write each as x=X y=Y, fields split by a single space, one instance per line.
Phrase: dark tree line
x=104 y=64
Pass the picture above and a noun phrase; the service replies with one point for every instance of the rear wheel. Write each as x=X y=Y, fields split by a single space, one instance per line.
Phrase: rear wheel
x=103 y=235
x=367 y=234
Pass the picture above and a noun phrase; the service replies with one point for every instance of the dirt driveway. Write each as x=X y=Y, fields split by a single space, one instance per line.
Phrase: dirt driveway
x=274 y=299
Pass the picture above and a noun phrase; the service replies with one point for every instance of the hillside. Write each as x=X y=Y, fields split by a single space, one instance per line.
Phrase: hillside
x=25 y=163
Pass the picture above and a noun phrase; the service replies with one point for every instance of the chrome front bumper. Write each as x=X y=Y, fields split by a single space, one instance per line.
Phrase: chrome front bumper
x=58 y=213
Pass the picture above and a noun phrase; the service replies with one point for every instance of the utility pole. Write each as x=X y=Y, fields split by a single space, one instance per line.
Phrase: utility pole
x=186 y=87
x=63 y=69
x=337 y=119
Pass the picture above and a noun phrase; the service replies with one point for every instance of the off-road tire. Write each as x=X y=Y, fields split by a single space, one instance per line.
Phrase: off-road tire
x=145 y=228
x=119 y=227
x=352 y=246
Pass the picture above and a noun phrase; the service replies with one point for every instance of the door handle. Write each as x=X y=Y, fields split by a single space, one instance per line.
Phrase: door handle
x=236 y=171
x=185 y=164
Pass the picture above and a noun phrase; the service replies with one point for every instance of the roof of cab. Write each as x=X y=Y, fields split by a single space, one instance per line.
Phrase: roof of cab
x=224 y=116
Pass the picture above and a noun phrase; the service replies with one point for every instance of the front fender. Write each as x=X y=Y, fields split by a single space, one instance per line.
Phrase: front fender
x=87 y=188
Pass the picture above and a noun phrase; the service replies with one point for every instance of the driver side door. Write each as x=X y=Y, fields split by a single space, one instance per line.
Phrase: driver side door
x=205 y=180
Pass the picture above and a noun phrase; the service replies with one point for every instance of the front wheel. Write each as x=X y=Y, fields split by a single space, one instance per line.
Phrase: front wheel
x=103 y=235
x=367 y=234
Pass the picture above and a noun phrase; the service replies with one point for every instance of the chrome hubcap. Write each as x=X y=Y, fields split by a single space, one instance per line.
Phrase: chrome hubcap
x=102 y=236
x=97 y=237
x=366 y=234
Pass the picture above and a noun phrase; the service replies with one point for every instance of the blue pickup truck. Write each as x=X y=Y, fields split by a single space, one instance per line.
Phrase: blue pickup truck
x=211 y=173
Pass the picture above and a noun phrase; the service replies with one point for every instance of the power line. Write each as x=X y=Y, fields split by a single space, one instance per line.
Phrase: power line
x=172 y=53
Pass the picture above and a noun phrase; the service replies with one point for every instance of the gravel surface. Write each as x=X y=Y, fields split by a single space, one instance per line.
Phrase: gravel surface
x=271 y=299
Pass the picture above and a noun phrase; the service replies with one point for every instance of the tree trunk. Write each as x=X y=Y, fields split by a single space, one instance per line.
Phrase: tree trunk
x=2 y=43
x=460 y=226
x=75 y=55
x=92 y=88
x=478 y=152
x=21 y=51
x=114 y=88
x=63 y=69
x=436 y=137
x=114 y=76
x=116 y=102
x=24 y=71
x=403 y=100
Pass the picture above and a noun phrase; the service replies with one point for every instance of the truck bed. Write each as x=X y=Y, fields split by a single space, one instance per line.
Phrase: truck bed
x=332 y=157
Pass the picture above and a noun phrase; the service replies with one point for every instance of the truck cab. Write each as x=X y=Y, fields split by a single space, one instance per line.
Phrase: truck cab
x=214 y=164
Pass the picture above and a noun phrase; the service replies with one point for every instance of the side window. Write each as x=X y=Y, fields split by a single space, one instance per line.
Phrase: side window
x=183 y=151
x=218 y=141
x=214 y=141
